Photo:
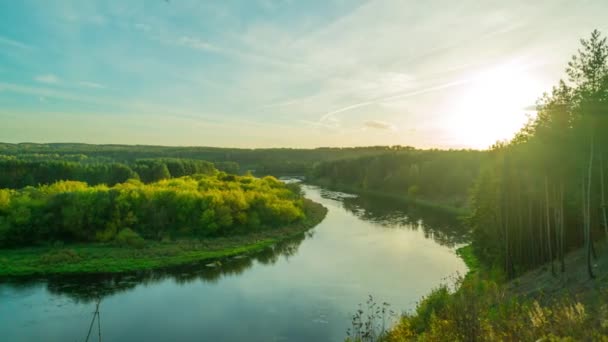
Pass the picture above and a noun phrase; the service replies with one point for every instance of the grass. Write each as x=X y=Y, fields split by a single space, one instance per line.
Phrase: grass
x=541 y=284
x=536 y=306
x=110 y=258
x=466 y=254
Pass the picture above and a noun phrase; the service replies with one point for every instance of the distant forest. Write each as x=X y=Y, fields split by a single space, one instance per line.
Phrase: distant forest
x=275 y=161
x=439 y=176
x=399 y=169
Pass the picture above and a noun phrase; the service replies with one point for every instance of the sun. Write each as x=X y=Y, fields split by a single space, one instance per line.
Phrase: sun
x=493 y=105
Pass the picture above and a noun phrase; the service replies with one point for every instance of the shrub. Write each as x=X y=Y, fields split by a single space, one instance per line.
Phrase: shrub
x=61 y=256
x=434 y=303
x=128 y=238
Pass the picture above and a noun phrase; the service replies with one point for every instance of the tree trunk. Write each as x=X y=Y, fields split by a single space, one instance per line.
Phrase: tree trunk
x=585 y=236
x=535 y=250
x=561 y=226
x=559 y=252
x=602 y=189
x=588 y=208
x=547 y=211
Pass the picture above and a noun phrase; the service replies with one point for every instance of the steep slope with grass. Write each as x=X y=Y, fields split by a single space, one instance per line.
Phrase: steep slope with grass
x=536 y=306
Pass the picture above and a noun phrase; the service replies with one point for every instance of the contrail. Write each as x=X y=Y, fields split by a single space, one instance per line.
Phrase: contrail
x=394 y=97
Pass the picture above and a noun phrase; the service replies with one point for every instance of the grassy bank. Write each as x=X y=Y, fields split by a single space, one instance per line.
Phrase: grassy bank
x=466 y=254
x=108 y=258
x=535 y=306
x=446 y=206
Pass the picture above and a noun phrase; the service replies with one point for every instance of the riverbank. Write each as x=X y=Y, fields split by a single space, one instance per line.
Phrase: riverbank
x=109 y=258
x=446 y=206
x=534 y=306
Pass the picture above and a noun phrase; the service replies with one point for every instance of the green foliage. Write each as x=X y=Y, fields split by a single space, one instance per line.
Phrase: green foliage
x=528 y=200
x=482 y=311
x=128 y=238
x=428 y=307
x=413 y=191
x=110 y=258
x=277 y=161
x=203 y=205
x=468 y=256
x=61 y=256
x=24 y=170
x=439 y=176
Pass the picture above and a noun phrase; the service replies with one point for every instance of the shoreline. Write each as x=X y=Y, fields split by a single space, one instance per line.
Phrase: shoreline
x=398 y=197
x=96 y=258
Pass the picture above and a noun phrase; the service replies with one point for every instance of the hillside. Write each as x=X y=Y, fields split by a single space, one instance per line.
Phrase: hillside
x=540 y=284
x=537 y=306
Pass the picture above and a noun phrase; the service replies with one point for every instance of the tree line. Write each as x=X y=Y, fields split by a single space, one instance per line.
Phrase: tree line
x=20 y=172
x=443 y=176
x=191 y=206
x=263 y=161
x=543 y=193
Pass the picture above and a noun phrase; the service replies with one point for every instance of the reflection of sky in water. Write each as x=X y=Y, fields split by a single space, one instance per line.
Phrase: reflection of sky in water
x=304 y=291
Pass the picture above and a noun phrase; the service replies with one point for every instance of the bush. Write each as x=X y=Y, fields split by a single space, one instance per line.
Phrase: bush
x=128 y=238
x=434 y=303
x=205 y=206
x=61 y=256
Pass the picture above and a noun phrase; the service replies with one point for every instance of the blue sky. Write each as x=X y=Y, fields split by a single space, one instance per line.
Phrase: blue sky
x=269 y=73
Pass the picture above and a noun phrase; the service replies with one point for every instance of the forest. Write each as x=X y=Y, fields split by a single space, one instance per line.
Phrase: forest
x=197 y=206
x=31 y=170
x=437 y=176
x=544 y=193
x=275 y=161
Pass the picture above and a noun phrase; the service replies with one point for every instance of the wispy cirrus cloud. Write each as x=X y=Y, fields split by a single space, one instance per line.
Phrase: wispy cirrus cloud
x=48 y=79
x=331 y=115
x=91 y=85
x=52 y=79
x=14 y=43
x=198 y=44
x=309 y=68
x=379 y=125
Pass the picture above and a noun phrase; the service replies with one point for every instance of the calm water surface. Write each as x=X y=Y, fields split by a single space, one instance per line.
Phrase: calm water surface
x=302 y=290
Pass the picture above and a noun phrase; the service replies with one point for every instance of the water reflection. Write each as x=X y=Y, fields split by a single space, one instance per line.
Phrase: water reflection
x=304 y=289
x=90 y=288
x=443 y=227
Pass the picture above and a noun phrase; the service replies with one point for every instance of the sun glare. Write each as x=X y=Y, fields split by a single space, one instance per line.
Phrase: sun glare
x=493 y=106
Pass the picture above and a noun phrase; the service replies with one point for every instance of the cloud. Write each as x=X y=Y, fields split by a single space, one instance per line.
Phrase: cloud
x=390 y=98
x=52 y=79
x=48 y=79
x=14 y=43
x=245 y=55
x=91 y=85
x=198 y=44
x=379 y=125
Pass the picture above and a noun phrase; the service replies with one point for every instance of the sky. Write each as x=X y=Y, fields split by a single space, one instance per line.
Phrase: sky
x=282 y=73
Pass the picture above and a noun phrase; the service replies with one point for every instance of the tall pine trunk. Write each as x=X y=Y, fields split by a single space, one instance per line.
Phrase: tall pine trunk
x=588 y=241
x=561 y=226
x=547 y=211
x=602 y=189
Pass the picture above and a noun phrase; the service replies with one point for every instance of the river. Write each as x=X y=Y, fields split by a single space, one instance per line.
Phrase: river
x=302 y=290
